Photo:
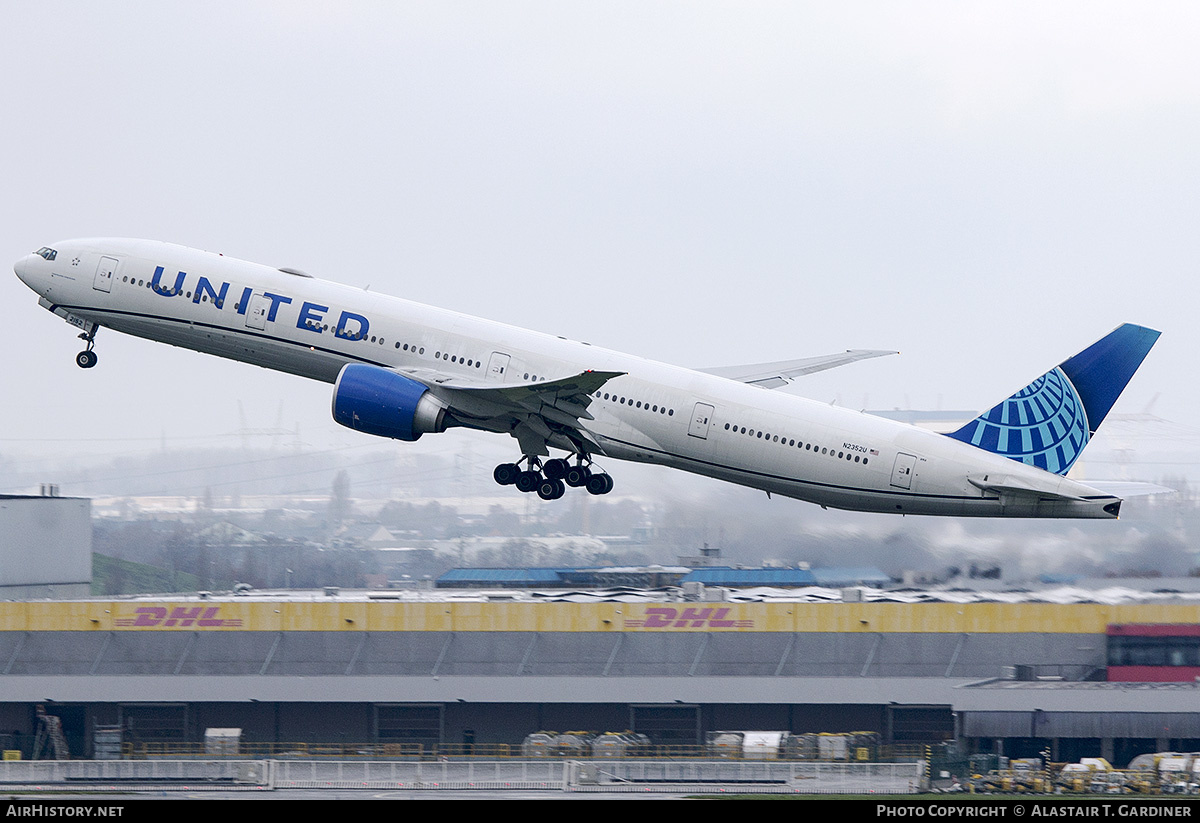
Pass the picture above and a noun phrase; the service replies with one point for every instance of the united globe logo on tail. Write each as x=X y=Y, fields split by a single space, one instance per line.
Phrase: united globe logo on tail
x=1044 y=425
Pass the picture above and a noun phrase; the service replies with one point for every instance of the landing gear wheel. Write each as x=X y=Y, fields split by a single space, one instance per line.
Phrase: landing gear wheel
x=87 y=358
x=599 y=484
x=577 y=476
x=506 y=474
x=555 y=469
x=551 y=489
x=528 y=481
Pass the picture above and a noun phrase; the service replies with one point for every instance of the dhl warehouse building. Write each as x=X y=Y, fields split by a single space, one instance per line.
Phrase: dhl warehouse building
x=451 y=670
x=456 y=669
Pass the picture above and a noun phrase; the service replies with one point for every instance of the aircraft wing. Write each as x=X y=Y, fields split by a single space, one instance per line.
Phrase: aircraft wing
x=782 y=372
x=537 y=414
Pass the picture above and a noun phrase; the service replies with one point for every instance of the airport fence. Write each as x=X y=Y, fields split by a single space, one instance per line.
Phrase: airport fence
x=576 y=775
x=642 y=776
x=134 y=773
x=749 y=776
x=434 y=775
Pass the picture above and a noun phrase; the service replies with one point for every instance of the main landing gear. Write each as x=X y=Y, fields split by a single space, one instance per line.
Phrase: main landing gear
x=550 y=479
x=87 y=358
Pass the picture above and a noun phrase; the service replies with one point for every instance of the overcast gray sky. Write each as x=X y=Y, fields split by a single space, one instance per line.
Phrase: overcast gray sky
x=987 y=187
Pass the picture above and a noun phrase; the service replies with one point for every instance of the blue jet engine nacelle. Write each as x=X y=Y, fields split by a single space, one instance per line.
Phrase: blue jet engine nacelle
x=380 y=402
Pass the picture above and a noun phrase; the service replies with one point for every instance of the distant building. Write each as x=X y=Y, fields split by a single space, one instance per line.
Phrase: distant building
x=748 y=578
x=840 y=576
x=708 y=557
x=45 y=546
x=647 y=577
x=653 y=577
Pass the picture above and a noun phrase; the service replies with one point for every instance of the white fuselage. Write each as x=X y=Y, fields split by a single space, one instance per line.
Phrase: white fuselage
x=653 y=412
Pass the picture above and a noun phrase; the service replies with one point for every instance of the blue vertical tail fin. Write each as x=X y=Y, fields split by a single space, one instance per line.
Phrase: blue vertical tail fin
x=1047 y=423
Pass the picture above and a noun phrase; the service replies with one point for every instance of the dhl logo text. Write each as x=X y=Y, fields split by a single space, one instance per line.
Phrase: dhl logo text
x=181 y=616
x=665 y=617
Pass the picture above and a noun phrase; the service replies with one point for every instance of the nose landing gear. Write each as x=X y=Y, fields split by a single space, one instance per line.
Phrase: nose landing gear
x=87 y=358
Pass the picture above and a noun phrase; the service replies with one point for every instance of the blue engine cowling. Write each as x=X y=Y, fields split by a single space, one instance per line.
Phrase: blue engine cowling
x=378 y=401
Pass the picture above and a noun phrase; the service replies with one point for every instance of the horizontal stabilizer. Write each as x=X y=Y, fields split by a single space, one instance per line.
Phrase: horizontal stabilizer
x=1128 y=488
x=782 y=372
x=1006 y=484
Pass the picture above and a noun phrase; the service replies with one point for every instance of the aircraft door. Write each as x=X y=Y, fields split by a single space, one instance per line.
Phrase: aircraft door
x=902 y=472
x=104 y=274
x=701 y=417
x=256 y=315
x=497 y=366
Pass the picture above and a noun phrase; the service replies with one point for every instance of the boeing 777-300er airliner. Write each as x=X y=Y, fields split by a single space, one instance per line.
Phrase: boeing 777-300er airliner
x=401 y=370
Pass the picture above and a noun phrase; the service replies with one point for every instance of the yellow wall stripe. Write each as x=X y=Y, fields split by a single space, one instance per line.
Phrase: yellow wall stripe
x=247 y=615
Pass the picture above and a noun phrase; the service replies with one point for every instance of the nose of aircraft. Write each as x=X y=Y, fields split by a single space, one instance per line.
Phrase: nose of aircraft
x=26 y=271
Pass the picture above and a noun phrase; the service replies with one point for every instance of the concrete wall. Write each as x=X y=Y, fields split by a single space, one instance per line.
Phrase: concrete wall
x=534 y=655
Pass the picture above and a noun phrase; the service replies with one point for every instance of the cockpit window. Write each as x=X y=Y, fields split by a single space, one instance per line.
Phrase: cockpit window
x=47 y=252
